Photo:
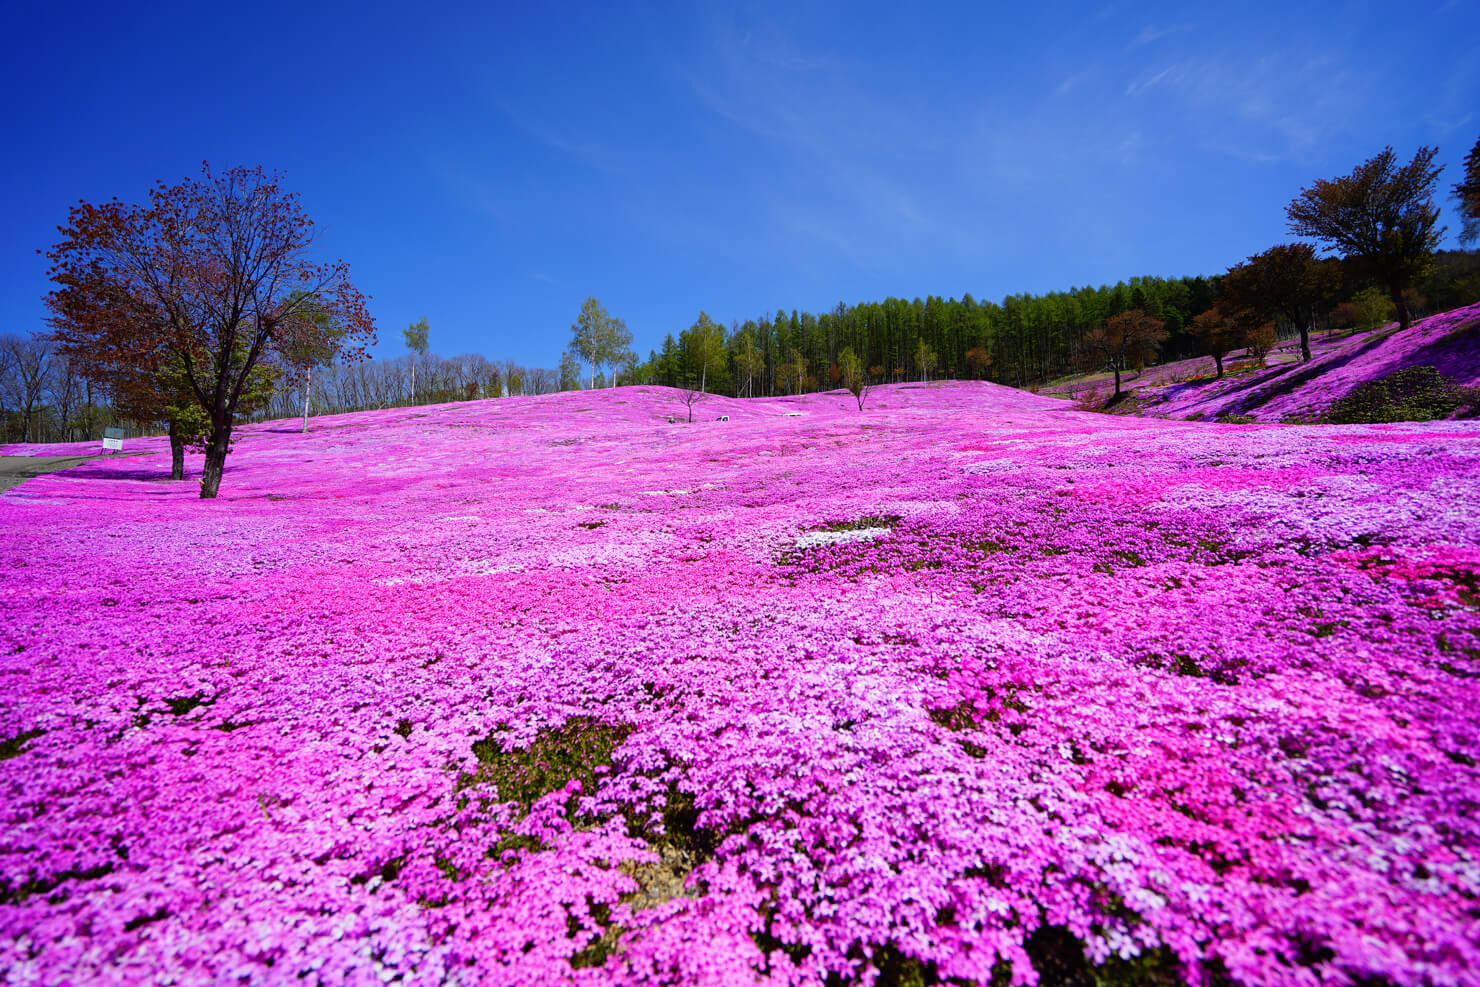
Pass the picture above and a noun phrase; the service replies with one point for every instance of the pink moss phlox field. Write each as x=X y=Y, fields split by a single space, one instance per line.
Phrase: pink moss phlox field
x=552 y=690
x=1448 y=341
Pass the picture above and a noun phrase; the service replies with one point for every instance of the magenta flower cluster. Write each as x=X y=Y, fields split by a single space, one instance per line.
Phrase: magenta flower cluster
x=922 y=687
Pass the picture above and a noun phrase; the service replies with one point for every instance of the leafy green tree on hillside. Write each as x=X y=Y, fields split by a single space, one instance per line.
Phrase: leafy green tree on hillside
x=1371 y=308
x=570 y=372
x=597 y=338
x=791 y=376
x=703 y=347
x=750 y=359
x=625 y=368
x=850 y=372
x=1381 y=216
x=418 y=339
x=925 y=359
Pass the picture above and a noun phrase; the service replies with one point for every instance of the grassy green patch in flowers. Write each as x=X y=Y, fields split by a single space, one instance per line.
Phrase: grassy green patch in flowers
x=1120 y=559
x=864 y=523
x=180 y=705
x=16 y=894
x=1414 y=394
x=681 y=847
x=604 y=945
x=570 y=752
x=16 y=746
x=387 y=871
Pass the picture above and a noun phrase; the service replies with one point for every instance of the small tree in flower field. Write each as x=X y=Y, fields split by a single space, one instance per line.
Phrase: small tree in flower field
x=1218 y=334
x=850 y=372
x=218 y=271
x=1129 y=339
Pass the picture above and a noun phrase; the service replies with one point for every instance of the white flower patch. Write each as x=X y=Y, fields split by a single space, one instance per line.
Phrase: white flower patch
x=814 y=538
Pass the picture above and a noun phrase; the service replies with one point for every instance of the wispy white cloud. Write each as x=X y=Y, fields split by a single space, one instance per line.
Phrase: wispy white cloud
x=1135 y=87
x=1151 y=33
x=1261 y=107
x=569 y=141
x=865 y=169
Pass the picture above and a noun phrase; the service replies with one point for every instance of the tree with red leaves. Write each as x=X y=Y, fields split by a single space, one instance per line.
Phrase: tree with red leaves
x=1218 y=333
x=205 y=280
x=1287 y=280
x=1126 y=340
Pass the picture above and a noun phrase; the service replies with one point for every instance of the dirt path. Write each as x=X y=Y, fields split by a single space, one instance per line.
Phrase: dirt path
x=17 y=469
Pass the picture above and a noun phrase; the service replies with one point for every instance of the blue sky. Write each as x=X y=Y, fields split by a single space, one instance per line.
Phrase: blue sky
x=488 y=166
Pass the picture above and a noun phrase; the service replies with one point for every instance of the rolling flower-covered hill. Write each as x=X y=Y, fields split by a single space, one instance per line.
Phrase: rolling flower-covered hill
x=965 y=686
x=1287 y=389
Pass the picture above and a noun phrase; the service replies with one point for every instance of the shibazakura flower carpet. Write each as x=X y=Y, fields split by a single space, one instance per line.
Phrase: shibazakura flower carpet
x=965 y=687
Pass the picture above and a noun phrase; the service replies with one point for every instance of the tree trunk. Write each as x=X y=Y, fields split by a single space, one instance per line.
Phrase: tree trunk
x=177 y=456
x=1400 y=305
x=1218 y=359
x=1117 y=380
x=216 y=449
x=307 y=383
x=1304 y=343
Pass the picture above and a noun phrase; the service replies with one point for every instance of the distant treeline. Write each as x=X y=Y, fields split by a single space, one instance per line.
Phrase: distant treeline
x=367 y=384
x=43 y=397
x=1022 y=341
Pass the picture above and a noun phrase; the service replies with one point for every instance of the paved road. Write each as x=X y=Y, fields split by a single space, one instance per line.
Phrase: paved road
x=17 y=469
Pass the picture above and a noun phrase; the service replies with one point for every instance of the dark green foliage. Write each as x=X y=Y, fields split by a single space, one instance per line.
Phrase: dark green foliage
x=16 y=745
x=1060 y=961
x=17 y=894
x=1467 y=191
x=867 y=521
x=1415 y=394
x=571 y=752
x=180 y=705
x=1381 y=216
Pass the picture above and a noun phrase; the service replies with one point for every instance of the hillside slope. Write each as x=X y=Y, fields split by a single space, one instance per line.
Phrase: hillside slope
x=967 y=686
x=1285 y=388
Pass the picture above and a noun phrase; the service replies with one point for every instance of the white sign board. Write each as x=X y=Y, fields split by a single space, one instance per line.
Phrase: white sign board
x=116 y=445
x=113 y=438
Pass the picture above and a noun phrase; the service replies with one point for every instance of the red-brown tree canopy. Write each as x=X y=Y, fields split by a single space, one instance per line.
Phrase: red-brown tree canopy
x=1287 y=280
x=209 y=275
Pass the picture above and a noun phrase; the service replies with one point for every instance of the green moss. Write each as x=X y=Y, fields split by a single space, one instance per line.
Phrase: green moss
x=16 y=746
x=1414 y=394
x=556 y=757
x=867 y=521
x=17 y=894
